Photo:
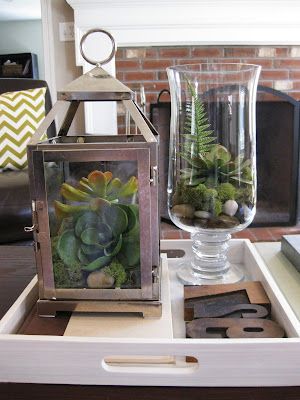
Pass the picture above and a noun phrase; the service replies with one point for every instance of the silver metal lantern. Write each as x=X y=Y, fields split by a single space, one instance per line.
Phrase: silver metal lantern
x=95 y=208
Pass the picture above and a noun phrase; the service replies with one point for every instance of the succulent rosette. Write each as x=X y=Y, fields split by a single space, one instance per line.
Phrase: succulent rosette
x=96 y=228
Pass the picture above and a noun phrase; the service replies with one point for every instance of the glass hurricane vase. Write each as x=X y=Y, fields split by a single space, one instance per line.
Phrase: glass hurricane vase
x=212 y=164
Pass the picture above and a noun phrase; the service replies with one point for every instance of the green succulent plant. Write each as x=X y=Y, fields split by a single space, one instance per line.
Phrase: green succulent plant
x=95 y=228
x=93 y=193
x=208 y=162
x=216 y=167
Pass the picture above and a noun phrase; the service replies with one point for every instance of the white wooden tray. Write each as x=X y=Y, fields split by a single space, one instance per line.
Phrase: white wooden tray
x=221 y=362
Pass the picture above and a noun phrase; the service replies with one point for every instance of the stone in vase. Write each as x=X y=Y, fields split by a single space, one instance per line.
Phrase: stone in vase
x=184 y=211
x=230 y=207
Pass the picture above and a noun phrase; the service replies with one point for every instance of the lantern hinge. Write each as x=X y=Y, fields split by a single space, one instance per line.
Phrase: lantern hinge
x=155 y=274
x=154 y=175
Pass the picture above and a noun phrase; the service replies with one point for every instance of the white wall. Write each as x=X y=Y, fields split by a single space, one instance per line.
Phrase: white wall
x=60 y=68
x=23 y=37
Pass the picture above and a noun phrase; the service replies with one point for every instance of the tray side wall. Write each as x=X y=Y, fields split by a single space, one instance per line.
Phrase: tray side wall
x=17 y=313
x=235 y=363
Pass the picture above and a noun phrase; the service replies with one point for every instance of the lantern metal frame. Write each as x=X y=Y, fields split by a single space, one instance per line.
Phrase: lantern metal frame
x=97 y=85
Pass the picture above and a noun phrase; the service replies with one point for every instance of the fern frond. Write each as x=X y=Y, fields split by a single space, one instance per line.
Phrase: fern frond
x=199 y=139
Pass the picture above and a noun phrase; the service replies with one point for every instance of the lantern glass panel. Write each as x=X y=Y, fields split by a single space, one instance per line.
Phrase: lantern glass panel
x=93 y=210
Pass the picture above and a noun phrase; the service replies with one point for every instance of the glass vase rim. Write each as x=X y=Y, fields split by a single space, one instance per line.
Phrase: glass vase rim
x=181 y=67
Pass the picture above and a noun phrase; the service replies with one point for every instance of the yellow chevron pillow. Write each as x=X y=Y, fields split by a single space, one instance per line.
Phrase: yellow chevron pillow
x=20 y=115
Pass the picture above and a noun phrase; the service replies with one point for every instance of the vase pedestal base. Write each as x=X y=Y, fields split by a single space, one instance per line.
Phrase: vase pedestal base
x=188 y=276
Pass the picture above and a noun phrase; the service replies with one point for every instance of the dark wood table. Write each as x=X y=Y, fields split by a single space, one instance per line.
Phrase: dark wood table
x=16 y=270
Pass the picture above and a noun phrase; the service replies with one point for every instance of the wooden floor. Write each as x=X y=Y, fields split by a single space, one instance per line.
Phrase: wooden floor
x=17 y=268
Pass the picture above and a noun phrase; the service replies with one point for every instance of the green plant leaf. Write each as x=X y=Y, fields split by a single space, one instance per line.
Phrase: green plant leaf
x=246 y=163
x=85 y=187
x=129 y=188
x=66 y=224
x=135 y=230
x=73 y=194
x=86 y=220
x=108 y=176
x=67 y=248
x=114 y=248
x=238 y=160
x=219 y=152
x=194 y=181
x=65 y=210
x=113 y=188
x=135 y=209
x=129 y=254
x=241 y=180
x=105 y=234
x=98 y=204
x=132 y=215
x=90 y=236
x=82 y=257
x=101 y=235
x=92 y=250
x=196 y=116
x=97 y=180
x=186 y=172
x=97 y=264
x=116 y=218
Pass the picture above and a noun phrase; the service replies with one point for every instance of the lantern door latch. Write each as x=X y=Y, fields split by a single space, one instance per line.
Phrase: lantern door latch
x=34 y=226
x=154 y=175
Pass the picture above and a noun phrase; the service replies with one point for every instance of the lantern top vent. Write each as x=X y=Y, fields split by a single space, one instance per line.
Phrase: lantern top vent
x=97 y=84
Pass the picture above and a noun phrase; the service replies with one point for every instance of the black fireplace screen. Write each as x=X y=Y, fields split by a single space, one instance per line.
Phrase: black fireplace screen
x=277 y=132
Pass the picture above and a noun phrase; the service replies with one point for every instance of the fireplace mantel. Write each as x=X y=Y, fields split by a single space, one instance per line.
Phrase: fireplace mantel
x=170 y=22
x=183 y=22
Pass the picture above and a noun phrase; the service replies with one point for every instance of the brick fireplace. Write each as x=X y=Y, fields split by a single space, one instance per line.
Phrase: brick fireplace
x=147 y=65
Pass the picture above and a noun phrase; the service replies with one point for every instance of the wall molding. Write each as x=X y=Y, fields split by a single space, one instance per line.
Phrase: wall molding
x=169 y=22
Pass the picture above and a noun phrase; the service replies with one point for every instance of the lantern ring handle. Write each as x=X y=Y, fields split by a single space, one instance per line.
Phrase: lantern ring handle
x=106 y=60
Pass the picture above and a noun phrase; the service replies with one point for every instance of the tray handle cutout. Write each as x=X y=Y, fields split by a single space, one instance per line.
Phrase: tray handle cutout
x=145 y=364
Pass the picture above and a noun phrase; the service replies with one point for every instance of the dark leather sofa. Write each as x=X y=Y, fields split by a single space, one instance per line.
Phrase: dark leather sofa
x=15 y=203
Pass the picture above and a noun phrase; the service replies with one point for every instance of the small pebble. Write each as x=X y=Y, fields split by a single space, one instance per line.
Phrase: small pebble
x=230 y=207
x=201 y=223
x=202 y=214
x=228 y=221
x=99 y=279
x=183 y=210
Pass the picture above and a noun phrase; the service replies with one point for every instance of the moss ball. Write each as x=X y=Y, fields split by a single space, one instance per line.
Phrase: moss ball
x=245 y=195
x=226 y=191
x=217 y=207
x=195 y=195
x=210 y=194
